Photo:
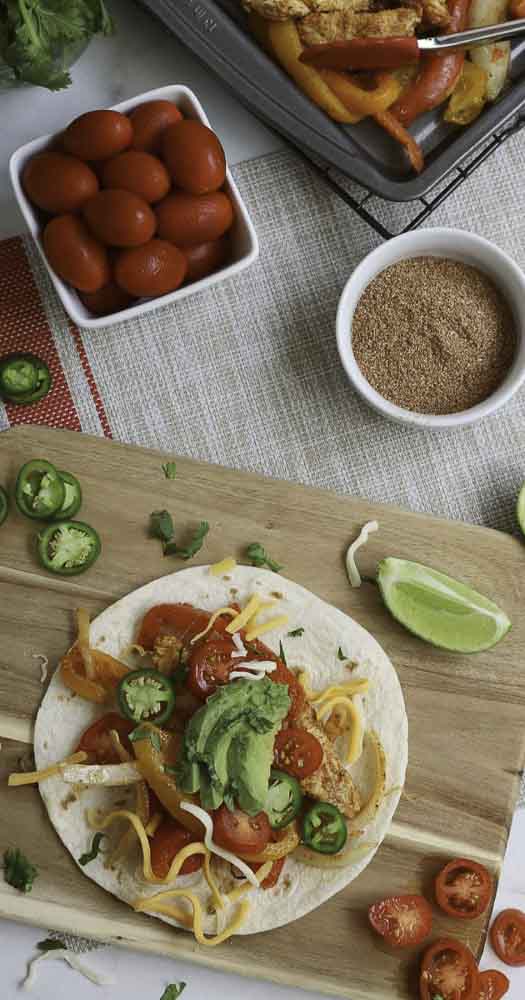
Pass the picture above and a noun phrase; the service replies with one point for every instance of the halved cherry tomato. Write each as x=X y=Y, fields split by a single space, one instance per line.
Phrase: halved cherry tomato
x=401 y=920
x=181 y=620
x=210 y=665
x=96 y=740
x=240 y=833
x=464 y=889
x=297 y=752
x=448 y=970
x=169 y=838
x=492 y=985
x=507 y=937
x=284 y=676
x=273 y=875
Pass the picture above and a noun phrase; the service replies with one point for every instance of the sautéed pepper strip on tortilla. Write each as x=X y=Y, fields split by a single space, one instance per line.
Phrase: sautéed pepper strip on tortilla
x=234 y=762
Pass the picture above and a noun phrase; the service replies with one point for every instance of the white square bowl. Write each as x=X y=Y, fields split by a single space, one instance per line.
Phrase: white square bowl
x=245 y=244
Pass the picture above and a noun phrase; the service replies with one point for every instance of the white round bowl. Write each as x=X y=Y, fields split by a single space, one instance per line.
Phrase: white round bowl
x=454 y=244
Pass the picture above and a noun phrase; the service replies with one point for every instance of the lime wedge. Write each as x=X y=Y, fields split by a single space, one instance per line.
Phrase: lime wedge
x=439 y=609
x=520 y=508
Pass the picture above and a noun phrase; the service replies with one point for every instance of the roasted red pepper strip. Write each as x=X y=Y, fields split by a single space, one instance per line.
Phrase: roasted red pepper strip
x=438 y=75
x=363 y=53
x=394 y=128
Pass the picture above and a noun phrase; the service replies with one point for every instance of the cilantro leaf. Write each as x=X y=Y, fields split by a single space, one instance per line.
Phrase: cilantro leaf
x=84 y=859
x=340 y=654
x=281 y=654
x=171 y=548
x=50 y=944
x=18 y=870
x=161 y=525
x=173 y=991
x=140 y=733
x=296 y=633
x=259 y=557
x=170 y=470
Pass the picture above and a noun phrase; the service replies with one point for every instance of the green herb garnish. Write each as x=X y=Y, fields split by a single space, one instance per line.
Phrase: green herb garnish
x=173 y=991
x=259 y=557
x=18 y=870
x=84 y=859
x=161 y=525
x=341 y=655
x=281 y=654
x=296 y=633
x=171 y=548
x=140 y=733
x=50 y=944
x=170 y=470
x=38 y=38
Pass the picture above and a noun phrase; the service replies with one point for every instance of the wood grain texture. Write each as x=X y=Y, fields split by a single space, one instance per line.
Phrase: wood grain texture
x=466 y=714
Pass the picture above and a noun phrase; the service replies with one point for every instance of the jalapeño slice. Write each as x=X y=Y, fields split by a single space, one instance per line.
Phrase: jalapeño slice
x=284 y=799
x=72 y=499
x=39 y=489
x=146 y=695
x=4 y=505
x=68 y=548
x=24 y=378
x=324 y=828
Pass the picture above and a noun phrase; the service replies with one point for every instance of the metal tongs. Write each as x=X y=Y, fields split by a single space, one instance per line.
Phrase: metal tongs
x=391 y=53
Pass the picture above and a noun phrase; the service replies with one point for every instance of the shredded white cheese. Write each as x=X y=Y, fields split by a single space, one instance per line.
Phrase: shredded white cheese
x=239 y=647
x=255 y=670
x=207 y=823
x=44 y=663
x=351 y=568
x=110 y=775
x=72 y=960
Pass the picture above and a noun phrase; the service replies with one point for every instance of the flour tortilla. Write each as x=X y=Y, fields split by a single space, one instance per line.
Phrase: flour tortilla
x=63 y=717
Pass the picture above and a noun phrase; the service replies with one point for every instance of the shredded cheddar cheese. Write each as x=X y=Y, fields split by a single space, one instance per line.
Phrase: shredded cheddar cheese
x=156 y=904
x=258 y=630
x=243 y=617
x=354 y=724
x=210 y=878
x=245 y=887
x=224 y=566
x=33 y=777
x=83 y=642
x=211 y=623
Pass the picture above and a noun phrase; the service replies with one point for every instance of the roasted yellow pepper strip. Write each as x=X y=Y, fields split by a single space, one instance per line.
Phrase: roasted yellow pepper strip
x=469 y=95
x=285 y=45
x=107 y=670
x=358 y=100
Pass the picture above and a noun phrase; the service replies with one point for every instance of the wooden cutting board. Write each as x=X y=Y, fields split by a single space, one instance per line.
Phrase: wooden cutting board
x=466 y=713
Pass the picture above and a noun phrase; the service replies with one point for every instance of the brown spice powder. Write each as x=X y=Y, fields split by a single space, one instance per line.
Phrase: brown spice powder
x=433 y=335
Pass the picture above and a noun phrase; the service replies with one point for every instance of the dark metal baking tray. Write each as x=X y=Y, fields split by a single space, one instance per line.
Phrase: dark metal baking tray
x=217 y=34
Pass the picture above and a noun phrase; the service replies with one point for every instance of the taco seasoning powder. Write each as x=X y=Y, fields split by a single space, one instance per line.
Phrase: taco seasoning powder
x=433 y=335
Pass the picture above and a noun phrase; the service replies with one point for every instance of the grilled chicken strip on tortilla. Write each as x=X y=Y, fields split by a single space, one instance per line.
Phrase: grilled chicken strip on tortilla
x=436 y=12
x=342 y=25
x=331 y=782
x=283 y=10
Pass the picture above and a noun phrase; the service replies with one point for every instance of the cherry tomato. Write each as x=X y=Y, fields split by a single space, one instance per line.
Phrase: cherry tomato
x=181 y=620
x=284 y=676
x=240 y=833
x=273 y=875
x=448 y=970
x=169 y=838
x=507 y=937
x=297 y=752
x=401 y=920
x=492 y=985
x=464 y=889
x=96 y=740
x=210 y=665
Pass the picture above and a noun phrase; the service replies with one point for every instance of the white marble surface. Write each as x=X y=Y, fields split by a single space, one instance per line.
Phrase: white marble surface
x=140 y=57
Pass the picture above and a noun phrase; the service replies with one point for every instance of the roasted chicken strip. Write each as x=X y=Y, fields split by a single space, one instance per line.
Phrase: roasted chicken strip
x=283 y=10
x=341 y=25
x=435 y=12
x=331 y=782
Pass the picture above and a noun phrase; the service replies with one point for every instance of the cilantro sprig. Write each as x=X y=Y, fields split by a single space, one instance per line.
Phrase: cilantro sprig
x=18 y=870
x=38 y=38
x=259 y=557
x=170 y=470
x=296 y=633
x=90 y=855
x=161 y=526
x=173 y=991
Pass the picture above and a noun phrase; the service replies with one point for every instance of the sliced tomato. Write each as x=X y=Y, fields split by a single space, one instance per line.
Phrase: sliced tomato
x=297 y=752
x=464 y=889
x=96 y=740
x=273 y=875
x=401 y=920
x=169 y=838
x=181 y=620
x=492 y=985
x=240 y=833
x=210 y=665
x=507 y=937
x=285 y=676
x=449 y=971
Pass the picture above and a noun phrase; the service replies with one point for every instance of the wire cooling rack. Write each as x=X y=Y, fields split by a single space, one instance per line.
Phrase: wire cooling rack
x=376 y=211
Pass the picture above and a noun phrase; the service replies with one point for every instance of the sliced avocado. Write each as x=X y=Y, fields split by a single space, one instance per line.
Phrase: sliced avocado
x=211 y=792
x=188 y=777
x=250 y=759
